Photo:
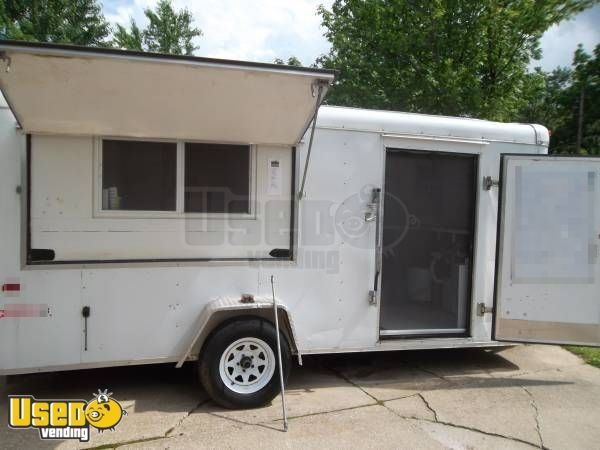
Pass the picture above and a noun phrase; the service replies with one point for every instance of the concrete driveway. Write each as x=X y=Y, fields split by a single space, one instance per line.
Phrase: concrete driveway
x=520 y=397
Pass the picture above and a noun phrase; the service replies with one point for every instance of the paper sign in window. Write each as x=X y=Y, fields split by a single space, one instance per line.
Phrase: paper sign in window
x=274 y=177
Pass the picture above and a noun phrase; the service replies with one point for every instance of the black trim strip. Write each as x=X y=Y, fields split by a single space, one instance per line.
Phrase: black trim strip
x=28 y=199
x=475 y=230
x=293 y=205
x=160 y=56
x=499 y=218
x=144 y=261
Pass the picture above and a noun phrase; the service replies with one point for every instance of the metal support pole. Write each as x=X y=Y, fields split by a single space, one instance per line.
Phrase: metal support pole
x=310 y=142
x=285 y=421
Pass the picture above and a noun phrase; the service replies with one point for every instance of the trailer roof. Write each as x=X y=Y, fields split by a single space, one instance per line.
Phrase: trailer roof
x=398 y=123
x=66 y=89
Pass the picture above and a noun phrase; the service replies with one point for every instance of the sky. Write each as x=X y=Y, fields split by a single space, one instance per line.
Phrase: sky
x=262 y=30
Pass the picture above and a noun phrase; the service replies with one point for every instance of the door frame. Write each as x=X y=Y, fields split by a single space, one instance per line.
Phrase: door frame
x=435 y=147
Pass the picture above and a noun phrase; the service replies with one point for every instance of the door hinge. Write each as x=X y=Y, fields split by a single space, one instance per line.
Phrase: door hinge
x=372 y=298
x=489 y=183
x=482 y=309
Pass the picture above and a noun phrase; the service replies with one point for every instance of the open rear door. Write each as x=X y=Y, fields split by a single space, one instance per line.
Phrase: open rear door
x=548 y=275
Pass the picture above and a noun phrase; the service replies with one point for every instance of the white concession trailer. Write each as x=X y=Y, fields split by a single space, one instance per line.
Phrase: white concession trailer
x=147 y=201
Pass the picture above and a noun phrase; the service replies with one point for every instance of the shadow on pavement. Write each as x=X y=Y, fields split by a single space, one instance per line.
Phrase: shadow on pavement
x=160 y=386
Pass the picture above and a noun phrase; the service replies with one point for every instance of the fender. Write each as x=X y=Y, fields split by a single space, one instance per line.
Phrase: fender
x=221 y=309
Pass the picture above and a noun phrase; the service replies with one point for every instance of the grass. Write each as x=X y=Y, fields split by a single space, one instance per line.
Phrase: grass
x=589 y=355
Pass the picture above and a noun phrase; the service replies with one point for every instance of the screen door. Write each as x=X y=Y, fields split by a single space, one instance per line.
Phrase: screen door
x=427 y=252
x=548 y=278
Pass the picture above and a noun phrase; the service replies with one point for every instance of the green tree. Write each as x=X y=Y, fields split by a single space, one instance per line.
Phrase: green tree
x=578 y=130
x=168 y=31
x=542 y=97
x=567 y=100
x=457 y=57
x=131 y=39
x=62 y=21
x=291 y=61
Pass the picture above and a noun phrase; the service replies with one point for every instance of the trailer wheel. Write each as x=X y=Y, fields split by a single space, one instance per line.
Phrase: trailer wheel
x=238 y=366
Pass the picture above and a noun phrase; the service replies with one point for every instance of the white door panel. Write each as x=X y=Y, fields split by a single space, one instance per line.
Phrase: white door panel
x=548 y=287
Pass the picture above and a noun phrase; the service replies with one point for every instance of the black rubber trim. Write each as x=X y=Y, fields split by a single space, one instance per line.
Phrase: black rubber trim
x=293 y=205
x=41 y=254
x=160 y=56
x=280 y=253
x=135 y=261
x=28 y=199
x=497 y=255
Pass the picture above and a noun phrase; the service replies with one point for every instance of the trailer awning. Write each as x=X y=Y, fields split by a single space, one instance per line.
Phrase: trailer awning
x=63 y=89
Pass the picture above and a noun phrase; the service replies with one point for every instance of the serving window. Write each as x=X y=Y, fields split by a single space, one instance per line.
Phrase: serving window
x=110 y=199
x=217 y=178
x=140 y=178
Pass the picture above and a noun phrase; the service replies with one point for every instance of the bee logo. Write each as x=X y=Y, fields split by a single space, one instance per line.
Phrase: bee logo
x=104 y=412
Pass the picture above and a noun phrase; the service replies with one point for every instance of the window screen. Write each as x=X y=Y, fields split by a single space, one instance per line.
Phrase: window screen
x=139 y=175
x=217 y=178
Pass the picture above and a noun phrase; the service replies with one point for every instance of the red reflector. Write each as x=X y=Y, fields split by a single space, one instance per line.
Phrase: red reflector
x=11 y=287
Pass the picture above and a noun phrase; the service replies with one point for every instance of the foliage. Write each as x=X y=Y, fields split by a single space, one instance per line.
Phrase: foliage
x=131 y=39
x=291 y=61
x=554 y=101
x=63 y=21
x=456 y=57
x=168 y=31
x=589 y=355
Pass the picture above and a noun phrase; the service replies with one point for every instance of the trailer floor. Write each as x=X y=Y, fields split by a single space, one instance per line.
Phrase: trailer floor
x=520 y=397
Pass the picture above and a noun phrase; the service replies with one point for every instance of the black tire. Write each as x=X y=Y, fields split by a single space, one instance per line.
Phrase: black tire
x=220 y=341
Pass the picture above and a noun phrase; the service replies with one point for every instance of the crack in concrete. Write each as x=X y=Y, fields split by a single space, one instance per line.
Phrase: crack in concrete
x=133 y=441
x=165 y=435
x=533 y=402
x=436 y=418
x=349 y=381
x=535 y=372
x=431 y=372
x=188 y=414
x=450 y=424
x=264 y=425
x=377 y=402
x=538 y=427
x=429 y=407
x=474 y=430
x=349 y=408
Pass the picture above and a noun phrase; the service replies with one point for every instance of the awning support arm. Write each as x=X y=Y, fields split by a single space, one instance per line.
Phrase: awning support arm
x=310 y=142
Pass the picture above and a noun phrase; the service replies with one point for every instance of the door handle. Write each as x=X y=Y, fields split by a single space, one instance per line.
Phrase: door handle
x=374 y=210
x=370 y=216
x=373 y=206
